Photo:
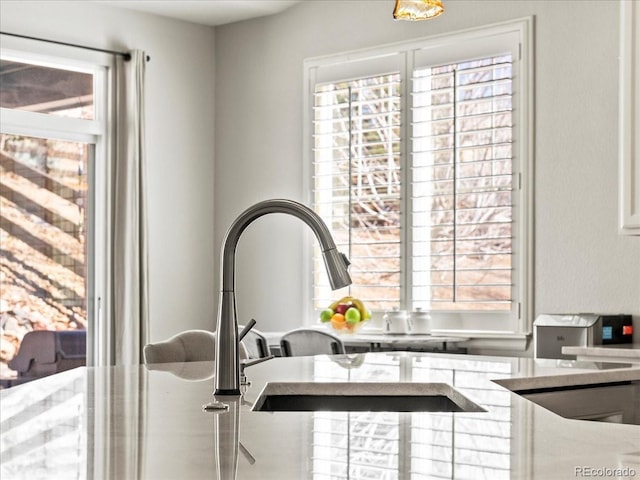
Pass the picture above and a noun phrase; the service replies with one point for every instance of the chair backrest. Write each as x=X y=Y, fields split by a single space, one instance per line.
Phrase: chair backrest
x=187 y=346
x=307 y=341
x=255 y=343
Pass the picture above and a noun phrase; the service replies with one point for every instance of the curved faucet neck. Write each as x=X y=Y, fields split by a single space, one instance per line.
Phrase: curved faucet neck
x=290 y=207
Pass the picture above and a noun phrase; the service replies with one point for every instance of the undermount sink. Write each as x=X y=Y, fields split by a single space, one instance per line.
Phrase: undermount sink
x=365 y=396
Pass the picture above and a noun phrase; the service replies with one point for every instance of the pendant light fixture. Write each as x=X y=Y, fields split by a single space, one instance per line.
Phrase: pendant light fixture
x=417 y=9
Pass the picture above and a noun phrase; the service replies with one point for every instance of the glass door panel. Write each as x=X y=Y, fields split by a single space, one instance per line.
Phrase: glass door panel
x=43 y=246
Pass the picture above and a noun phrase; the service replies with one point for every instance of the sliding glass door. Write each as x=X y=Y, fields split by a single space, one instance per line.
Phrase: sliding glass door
x=53 y=179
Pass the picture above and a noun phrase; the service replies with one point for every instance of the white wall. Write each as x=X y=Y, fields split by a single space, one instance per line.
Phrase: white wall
x=180 y=81
x=581 y=263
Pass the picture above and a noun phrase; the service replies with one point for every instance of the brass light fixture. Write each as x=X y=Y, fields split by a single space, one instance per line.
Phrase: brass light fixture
x=417 y=9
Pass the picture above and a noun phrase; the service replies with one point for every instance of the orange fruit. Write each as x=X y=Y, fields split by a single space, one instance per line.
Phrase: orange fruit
x=338 y=321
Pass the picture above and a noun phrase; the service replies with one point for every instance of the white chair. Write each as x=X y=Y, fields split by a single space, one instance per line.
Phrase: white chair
x=308 y=341
x=187 y=346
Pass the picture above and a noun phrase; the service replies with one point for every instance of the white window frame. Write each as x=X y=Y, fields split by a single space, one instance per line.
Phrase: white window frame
x=629 y=119
x=446 y=48
x=96 y=132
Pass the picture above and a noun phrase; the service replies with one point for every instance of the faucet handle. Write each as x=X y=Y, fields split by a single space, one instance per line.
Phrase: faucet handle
x=246 y=329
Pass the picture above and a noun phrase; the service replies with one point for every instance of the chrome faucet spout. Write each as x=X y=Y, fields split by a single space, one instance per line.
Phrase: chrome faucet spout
x=227 y=360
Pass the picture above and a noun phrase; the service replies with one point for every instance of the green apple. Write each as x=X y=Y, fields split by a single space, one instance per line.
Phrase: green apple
x=326 y=315
x=352 y=315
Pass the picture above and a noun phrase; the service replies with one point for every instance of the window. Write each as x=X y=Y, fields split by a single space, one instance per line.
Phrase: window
x=420 y=167
x=53 y=150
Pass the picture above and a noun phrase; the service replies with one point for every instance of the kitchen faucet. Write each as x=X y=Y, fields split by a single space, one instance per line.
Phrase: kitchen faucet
x=227 y=360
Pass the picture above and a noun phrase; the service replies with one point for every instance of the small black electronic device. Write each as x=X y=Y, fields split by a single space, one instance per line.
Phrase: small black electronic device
x=616 y=329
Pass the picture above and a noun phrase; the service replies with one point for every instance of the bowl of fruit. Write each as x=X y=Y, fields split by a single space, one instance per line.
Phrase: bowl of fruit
x=346 y=315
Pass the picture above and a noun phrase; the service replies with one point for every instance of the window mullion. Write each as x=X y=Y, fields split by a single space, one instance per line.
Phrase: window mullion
x=18 y=122
x=350 y=172
x=454 y=202
x=406 y=202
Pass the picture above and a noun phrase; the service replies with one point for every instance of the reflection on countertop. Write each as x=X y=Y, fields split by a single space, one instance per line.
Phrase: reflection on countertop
x=138 y=422
x=377 y=340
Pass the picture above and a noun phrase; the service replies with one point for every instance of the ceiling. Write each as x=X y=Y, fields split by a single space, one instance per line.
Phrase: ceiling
x=205 y=12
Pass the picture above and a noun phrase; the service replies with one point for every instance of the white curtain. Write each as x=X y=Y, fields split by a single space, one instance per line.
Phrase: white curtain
x=130 y=252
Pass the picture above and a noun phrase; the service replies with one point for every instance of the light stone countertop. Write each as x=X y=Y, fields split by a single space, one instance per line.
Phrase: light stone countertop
x=626 y=352
x=141 y=422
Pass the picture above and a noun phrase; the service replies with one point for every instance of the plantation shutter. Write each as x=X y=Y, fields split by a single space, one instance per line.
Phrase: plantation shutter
x=462 y=184
x=357 y=184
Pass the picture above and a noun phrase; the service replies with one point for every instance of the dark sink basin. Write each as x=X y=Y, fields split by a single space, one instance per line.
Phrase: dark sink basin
x=370 y=397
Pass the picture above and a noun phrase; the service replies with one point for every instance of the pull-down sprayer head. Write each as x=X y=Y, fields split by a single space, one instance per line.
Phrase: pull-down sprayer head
x=336 y=264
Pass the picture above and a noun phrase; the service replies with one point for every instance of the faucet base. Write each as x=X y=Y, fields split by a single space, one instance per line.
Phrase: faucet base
x=227 y=392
